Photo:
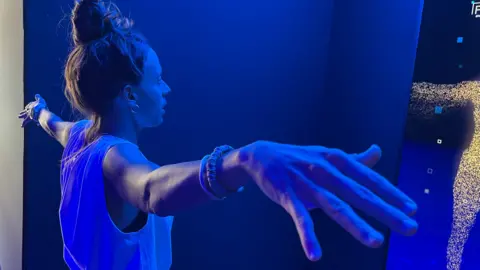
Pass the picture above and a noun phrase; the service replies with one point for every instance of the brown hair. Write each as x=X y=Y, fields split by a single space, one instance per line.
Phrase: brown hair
x=107 y=54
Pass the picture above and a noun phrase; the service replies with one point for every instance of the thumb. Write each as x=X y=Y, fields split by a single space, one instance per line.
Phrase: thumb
x=39 y=98
x=370 y=157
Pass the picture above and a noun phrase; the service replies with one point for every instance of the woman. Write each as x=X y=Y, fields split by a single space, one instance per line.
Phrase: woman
x=117 y=206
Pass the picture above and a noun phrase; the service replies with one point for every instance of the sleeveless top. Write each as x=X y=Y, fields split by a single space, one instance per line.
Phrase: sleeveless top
x=91 y=240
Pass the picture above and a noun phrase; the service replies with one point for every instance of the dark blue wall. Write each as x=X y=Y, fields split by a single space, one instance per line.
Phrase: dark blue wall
x=369 y=73
x=303 y=72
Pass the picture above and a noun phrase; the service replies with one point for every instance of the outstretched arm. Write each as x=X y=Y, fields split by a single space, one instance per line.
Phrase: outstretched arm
x=38 y=111
x=55 y=126
x=165 y=190
x=294 y=177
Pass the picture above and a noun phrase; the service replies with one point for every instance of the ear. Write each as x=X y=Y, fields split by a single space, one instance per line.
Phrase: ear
x=129 y=95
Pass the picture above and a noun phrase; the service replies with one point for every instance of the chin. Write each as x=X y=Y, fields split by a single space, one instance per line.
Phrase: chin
x=154 y=124
x=154 y=121
x=159 y=122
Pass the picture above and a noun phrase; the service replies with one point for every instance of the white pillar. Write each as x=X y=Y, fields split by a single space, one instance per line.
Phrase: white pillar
x=11 y=135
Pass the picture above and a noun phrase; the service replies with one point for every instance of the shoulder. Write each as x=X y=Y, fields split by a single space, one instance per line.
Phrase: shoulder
x=70 y=133
x=121 y=158
x=80 y=125
x=123 y=153
x=74 y=128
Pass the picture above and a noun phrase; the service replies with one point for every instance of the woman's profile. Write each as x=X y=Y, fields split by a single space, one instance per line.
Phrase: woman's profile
x=117 y=207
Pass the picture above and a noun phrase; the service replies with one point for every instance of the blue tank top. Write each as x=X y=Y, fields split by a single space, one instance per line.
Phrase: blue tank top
x=91 y=240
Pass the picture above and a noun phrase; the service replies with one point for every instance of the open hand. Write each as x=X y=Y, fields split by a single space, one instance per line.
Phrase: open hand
x=299 y=178
x=32 y=110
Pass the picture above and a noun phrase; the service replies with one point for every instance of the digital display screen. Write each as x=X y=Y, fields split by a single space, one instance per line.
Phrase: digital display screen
x=440 y=162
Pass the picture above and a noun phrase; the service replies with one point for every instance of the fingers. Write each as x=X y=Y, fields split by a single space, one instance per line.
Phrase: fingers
x=26 y=113
x=365 y=200
x=22 y=114
x=304 y=224
x=370 y=157
x=25 y=122
x=346 y=217
x=39 y=98
x=372 y=180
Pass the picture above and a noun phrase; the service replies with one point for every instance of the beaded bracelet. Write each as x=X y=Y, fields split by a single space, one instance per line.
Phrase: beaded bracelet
x=203 y=178
x=34 y=112
x=211 y=167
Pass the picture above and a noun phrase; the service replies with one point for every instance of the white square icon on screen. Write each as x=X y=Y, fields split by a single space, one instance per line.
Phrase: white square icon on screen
x=439 y=141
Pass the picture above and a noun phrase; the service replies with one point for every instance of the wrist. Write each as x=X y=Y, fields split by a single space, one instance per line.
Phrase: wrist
x=231 y=171
x=43 y=113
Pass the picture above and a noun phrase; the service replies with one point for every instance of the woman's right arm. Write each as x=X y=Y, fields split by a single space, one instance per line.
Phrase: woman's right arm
x=294 y=177
x=53 y=125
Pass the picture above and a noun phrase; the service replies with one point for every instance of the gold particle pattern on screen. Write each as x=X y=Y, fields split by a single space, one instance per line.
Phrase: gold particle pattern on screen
x=466 y=190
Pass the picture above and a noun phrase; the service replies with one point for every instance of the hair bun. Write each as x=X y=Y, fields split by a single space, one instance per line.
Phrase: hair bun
x=90 y=21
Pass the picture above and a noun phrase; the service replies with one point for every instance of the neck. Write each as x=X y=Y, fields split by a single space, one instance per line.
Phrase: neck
x=121 y=125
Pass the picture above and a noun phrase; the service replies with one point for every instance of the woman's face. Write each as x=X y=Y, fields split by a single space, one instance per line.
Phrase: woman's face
x=149 y=95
